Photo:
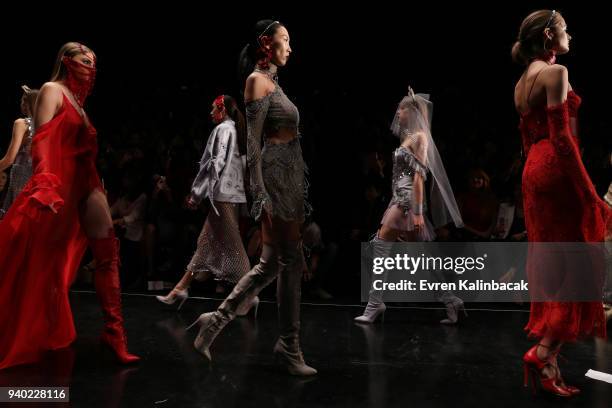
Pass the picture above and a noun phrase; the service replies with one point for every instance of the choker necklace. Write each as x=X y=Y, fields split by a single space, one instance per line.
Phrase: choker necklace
x=272 y=75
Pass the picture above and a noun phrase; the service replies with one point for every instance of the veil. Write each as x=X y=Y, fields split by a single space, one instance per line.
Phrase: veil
x=413 y=120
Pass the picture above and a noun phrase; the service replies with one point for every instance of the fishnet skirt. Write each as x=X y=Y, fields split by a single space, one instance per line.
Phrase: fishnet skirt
x=220 y=250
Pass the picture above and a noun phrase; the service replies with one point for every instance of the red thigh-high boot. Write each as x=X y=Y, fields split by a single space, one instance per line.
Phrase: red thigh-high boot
x=106 y=253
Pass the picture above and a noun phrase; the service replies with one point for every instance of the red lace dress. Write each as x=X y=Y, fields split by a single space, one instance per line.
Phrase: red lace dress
x=42 y=242
x=561 y=205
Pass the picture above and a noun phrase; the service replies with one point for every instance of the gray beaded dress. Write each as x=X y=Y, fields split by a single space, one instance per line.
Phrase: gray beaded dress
x=277 y=172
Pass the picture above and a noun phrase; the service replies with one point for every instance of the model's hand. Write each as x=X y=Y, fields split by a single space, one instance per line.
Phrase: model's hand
x=419 y=222
x=119 y=222
x=520 y=236
x=161 y=184
x=499 y=230
x=267 y=205
x=190 y=203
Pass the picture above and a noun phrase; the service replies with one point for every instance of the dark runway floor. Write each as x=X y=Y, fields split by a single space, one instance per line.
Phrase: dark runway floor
x=409 y=361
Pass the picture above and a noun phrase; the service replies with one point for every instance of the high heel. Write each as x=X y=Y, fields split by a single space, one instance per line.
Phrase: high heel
x=253 y=305
x=371 y=313
x=292 y=358
x=453 y=307
x=175 y=294
x=554 y=354
x=376 y=307
x=117 y=344
x=533 y=368
x=527 y=379
x=108 y=289
x=210 y=326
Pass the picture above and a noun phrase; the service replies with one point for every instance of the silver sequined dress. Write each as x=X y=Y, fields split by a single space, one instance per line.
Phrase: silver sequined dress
x=399 y=213
x=21 y=171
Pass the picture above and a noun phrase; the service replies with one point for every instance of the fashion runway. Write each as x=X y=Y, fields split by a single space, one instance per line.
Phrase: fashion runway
x=410 y=360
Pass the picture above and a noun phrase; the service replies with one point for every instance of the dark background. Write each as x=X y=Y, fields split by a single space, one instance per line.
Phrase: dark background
x=160 y=68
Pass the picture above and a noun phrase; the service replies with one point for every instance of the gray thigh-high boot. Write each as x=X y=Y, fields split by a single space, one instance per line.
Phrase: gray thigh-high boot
x=288 y=295
x=243 y=293
x=375 y=306
x=452 y=302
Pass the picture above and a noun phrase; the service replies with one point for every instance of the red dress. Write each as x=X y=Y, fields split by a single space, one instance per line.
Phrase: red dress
x=561 y=205
x=42 y=242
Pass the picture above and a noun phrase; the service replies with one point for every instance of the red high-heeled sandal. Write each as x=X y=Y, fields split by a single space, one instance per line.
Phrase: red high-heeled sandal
x=554 y=354
x=533 y=367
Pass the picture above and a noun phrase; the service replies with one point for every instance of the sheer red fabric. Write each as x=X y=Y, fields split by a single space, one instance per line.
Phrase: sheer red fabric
x=42 y=242
x=80 y=78
x=561 y=205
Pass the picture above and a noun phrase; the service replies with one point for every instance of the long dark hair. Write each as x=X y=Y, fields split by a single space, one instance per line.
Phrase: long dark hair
x=252 y=52
x=232 y=110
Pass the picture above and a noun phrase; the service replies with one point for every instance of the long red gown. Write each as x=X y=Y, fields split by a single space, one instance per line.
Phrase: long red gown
x=561 y=205
x=42 y=242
